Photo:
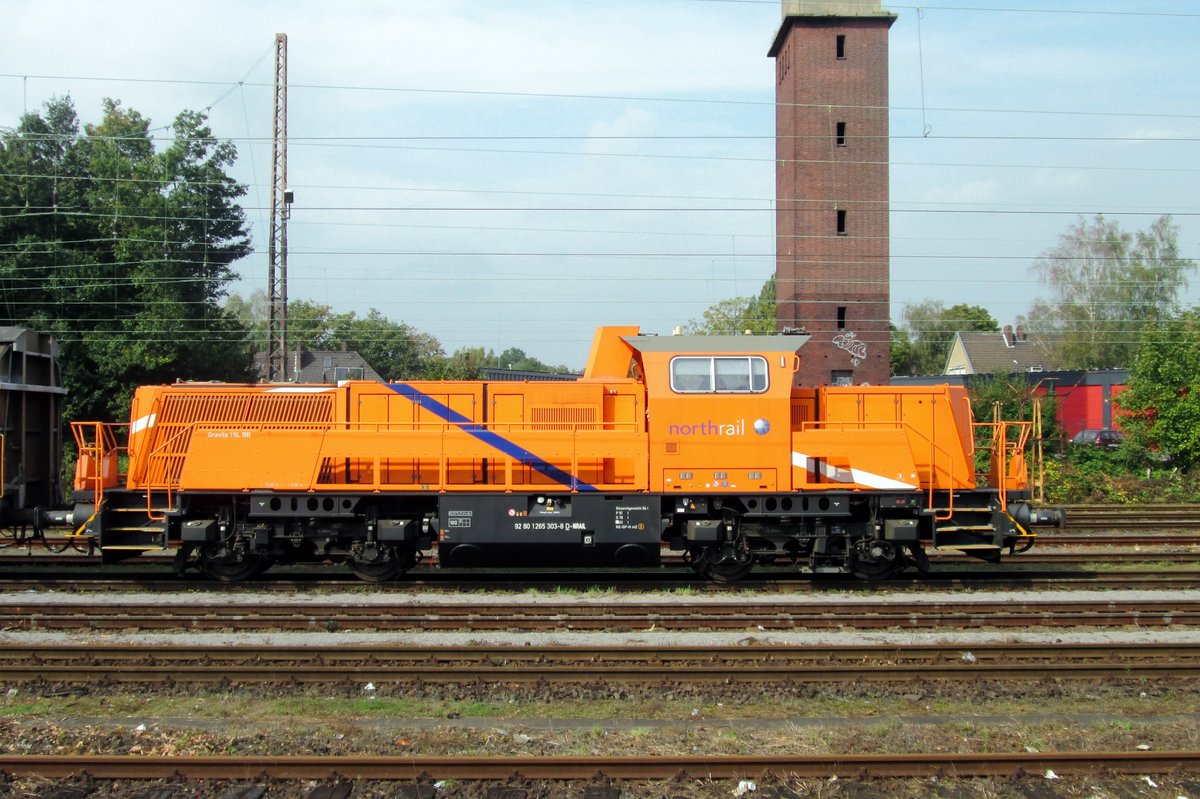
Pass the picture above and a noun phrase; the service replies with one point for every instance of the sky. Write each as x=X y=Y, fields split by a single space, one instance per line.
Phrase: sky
x=514 y=174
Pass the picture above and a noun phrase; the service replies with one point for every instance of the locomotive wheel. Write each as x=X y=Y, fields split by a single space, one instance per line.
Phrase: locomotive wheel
x=230 y=570
x=377 y=571
x=872 y=559
x=724 y=564
x=384 y=563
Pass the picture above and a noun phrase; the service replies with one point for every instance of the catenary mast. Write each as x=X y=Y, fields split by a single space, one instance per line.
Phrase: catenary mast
x=281 y=200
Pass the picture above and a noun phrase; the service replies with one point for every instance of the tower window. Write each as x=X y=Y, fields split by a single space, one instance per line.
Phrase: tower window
x=841 y=319
x=841 y=222
x=841 y=45
x=841 y=134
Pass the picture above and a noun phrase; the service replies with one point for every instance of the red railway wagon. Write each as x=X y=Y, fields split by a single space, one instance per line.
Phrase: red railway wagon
x=696 y=444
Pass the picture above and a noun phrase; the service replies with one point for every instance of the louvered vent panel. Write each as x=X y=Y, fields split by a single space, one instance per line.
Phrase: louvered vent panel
x=172 y=432
x=235 y=409
x=291 y=408
x=580 y=418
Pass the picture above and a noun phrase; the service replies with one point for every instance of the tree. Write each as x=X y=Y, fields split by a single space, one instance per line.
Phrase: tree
x=465 y=364
x=516 y=358
x=393 y=349
x=1106 y=286
x=929 y=333
x=121 y=252
x=739 y=315
x=1161 y=407
x=899 y=351
x=1014 y=398
x=251 y=313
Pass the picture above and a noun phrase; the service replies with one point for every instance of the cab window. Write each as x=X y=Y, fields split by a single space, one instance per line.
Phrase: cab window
x=719 y=375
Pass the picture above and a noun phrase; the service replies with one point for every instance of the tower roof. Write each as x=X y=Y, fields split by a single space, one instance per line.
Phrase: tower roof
x=795 y=11
x=833 y=8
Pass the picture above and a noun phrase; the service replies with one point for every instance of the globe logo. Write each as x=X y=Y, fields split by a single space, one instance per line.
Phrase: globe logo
x=762 y=426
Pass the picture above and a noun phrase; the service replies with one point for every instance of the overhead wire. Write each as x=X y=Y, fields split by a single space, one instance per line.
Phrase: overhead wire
x=604 y=209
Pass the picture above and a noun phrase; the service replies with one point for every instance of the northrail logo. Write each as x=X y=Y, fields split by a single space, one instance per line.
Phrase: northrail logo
x=711 y=428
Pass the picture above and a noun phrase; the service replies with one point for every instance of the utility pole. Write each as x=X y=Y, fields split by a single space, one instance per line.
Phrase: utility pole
x=281 y=206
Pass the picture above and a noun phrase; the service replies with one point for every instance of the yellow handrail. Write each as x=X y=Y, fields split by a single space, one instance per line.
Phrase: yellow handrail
x=934 y=450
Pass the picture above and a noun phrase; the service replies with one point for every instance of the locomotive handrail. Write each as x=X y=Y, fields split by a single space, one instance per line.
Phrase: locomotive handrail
x=101 y=447
x=160 y=453
x=166 y=458
x=562 y=442
x=1003 y=453
x=898 y=424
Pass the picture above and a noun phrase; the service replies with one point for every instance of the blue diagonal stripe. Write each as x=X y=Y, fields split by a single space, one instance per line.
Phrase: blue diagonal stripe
x=489 y=437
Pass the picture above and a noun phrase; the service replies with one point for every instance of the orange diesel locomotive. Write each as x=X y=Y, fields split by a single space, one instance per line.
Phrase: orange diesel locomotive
x=697 y=444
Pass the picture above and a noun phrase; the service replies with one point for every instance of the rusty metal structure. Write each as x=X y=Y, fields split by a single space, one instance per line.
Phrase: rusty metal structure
x=281 y=200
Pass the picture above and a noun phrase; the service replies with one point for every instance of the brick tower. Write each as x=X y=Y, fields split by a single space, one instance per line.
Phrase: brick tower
x=831 y=184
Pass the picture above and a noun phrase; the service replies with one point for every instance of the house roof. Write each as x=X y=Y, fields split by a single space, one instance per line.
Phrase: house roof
x=331 y=366
x=999 y=352
x=524 y=375
x=322 y=366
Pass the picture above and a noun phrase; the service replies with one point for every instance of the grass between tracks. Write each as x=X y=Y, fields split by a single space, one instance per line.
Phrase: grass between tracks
x=312 y=734
x=801 y=704
x=1043 y=716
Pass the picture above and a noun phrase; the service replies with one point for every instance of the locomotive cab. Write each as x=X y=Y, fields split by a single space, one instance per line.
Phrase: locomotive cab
x=719 y=436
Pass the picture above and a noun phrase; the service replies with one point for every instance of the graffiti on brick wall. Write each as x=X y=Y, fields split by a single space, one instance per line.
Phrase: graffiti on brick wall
x=850 y=342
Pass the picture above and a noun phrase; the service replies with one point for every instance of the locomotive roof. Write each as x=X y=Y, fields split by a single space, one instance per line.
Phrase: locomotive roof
x=712 y=344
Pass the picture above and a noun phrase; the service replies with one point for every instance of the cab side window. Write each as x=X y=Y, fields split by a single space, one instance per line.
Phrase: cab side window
x=719 y=375
x=691 y=375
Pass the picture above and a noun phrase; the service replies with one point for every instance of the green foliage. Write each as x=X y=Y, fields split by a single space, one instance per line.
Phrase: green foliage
x=515 y=358
x=1106 y=286
x=121 y=252
x=1015 y=399
x=465 y=364
x=1002 y=397
x=1162 y=403
x=393 y=349
x=929 y=329
x=1100 y=477
x=740 y=315
x=900 y=350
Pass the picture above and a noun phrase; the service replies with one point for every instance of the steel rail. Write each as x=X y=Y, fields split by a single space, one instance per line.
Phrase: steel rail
x=680 y=613
x=1043 y=558
x=1010 y=575
x=421 y=767
x=1165 y=547
x=1132 y=517
x=69 y=664
x=1117 y=540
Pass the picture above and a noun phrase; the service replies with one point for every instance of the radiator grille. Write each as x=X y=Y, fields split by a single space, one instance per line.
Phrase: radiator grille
x=578 y=418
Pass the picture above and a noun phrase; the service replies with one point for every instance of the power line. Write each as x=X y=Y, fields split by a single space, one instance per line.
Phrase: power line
x=614 y=98
x=1001 y=10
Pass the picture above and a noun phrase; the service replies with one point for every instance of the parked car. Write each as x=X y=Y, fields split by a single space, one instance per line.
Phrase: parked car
x=1107 y=438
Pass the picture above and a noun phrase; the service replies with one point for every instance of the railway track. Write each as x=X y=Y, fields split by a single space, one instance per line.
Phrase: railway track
x=656 y=767
x=674 y=613
x=1118 y=540
x=1132 y=517
x=15 y=568
x=1004 y=577
x=385 y=664
x=1043 y=558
